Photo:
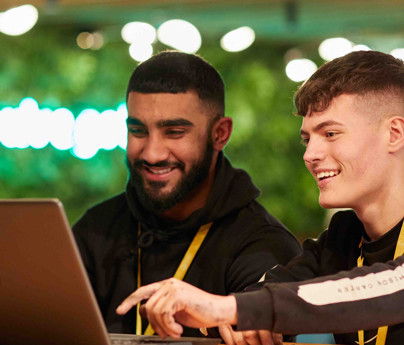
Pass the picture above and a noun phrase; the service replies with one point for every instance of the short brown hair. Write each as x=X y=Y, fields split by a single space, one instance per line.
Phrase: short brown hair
x=359 y=73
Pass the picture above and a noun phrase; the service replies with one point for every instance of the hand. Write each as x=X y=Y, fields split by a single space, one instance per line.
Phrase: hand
x=173 y=302
x=255 y=337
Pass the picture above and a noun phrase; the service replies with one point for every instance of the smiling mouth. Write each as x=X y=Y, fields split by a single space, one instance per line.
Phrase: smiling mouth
x=326 y=174
x=159 y=171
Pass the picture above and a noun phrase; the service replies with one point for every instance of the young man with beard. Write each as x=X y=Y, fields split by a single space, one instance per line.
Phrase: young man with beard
x=183 y=197
x=353 y=128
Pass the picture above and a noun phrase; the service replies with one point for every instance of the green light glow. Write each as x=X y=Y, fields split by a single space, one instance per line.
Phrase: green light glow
x=30 y=126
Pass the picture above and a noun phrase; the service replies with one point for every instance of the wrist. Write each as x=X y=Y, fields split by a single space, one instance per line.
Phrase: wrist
x=227 y=310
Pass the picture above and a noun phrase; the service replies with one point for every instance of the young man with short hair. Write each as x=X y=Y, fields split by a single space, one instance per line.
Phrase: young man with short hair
x=353 y=128
x=186 y=211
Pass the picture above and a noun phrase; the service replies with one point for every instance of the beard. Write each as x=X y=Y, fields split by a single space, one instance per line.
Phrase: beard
x=149 y=192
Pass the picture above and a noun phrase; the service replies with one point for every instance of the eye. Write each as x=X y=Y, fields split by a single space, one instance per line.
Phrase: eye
x=304 y=141
x=138 y=132
x=175 y=133
x=330 y=134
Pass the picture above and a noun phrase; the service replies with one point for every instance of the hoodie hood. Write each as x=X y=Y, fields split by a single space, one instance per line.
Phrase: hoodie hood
x=232 y=189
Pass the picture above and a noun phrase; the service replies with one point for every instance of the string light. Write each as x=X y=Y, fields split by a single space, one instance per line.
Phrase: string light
x=30 y=126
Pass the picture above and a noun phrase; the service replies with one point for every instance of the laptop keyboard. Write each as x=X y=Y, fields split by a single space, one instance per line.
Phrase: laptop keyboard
x=121 y=341
x=131 y=339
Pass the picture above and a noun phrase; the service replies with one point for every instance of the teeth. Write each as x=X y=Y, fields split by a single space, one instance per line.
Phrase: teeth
x=160 y=171
x=327 y=174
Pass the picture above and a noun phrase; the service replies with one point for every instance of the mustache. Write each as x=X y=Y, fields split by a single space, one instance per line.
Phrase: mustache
x=162 y=164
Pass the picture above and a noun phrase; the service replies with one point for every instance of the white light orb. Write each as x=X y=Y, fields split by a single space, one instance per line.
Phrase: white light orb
x=398 y=53
x=122 y=113
x=84 y=152
x=140 y=52
x=39 y=131
x=27 y=114
x=109 y=129
x=238 y=40
x=18 y=20
x=181 y=35
x=332 y=48
x=300 y=69
x=86 y=134
x=138 y=32
x=360 y=47
x=10 y=134
x=62 y=123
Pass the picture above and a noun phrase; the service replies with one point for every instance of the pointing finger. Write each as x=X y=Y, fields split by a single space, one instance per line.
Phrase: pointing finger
x=144 y=292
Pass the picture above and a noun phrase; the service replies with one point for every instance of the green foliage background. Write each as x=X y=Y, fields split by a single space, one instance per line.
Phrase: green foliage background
x=48 y=66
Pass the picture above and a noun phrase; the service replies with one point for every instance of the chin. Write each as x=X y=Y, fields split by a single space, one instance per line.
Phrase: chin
x=328 y=204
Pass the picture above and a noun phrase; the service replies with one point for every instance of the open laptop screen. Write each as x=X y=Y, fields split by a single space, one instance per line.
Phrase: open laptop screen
x=45 y=295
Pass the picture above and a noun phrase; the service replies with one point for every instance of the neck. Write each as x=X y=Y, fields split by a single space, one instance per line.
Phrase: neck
x=382 y=207
x=380 y=218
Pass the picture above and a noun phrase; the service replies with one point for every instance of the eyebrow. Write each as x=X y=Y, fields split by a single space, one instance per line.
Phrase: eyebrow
x=133 y=121
x=175 y=123
x=321 y=125
x=162 y=123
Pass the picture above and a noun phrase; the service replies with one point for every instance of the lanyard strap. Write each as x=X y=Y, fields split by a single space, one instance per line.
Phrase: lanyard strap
x=179 y=274
x=381 y=331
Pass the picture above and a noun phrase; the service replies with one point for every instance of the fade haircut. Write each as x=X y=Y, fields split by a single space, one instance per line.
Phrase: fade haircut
x=176 y=72
x=357 y=73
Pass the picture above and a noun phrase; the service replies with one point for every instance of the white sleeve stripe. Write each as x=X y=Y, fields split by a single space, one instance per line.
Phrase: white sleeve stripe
x=353 y=289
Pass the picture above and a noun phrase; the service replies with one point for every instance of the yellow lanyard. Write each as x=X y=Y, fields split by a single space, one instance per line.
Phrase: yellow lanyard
x=382 y=331
x=179 y=274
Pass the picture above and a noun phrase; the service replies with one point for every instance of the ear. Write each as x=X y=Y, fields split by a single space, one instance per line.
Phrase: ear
x=396 y=130
x=221 y=132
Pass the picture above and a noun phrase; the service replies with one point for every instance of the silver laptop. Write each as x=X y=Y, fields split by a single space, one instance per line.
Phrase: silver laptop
x=45 y=295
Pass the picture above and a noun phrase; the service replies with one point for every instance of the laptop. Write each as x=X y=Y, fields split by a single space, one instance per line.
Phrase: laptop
x=45 y=295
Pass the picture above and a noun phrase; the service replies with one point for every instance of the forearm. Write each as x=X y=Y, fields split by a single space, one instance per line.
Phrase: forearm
x=361 y=298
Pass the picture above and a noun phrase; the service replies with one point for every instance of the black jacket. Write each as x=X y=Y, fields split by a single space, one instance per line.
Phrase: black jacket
x=342 y=302
x=243 y=242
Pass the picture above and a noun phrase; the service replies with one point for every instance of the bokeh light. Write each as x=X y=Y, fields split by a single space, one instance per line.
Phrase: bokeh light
x=300 y=69
x=138 y=32
x=359 y=47
x=398 y=53
x=62 y=127
x=88 y=40
x=181 y=35
x=29 y=126
x=332 y=48
x=238 y=40
x=140 y=52
x=18 y=20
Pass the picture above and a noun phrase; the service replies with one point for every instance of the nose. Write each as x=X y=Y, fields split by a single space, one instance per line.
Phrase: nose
x=154 y=150
x=315 y=151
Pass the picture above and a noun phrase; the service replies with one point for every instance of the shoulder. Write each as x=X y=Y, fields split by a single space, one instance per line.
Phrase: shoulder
x=253 y=224
x=103 y=214
x=114 y=203
x=261 y=220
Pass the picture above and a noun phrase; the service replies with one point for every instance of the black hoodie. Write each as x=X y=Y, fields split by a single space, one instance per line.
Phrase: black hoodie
x=243 y=242
x=323 y=291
